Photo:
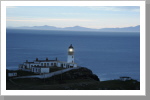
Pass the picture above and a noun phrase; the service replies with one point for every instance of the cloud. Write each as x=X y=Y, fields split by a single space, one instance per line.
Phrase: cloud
x=70 y=13
x=81 y=20
x=116 y=8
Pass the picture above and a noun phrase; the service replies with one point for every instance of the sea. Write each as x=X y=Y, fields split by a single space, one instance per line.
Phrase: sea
x=110 y=55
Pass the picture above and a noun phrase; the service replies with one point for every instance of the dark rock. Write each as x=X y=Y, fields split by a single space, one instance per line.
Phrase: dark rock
x=81 y=73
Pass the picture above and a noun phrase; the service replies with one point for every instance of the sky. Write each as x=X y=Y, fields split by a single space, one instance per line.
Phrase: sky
x=68 y=16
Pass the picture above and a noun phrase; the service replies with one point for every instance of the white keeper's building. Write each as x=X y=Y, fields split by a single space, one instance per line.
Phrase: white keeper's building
x=43 y=66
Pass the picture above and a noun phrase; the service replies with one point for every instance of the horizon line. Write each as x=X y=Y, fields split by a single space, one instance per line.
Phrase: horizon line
x=68 y=26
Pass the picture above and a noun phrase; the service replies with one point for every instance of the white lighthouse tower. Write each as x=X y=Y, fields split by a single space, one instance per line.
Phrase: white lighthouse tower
x=70 y=54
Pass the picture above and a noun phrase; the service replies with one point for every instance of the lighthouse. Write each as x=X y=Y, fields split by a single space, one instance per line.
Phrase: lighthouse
x=70 y=54
x=43 y=66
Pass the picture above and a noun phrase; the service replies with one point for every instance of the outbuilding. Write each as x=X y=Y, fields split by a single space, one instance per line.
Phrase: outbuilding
x=40 y=69
x=12 y=74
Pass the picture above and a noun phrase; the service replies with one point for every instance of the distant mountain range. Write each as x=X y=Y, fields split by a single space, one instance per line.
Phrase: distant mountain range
x=79 y=28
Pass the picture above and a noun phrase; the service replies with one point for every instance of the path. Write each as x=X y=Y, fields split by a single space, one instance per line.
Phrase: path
x=47 y=75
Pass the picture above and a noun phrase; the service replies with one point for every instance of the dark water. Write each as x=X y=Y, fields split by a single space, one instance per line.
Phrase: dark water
x=109 y=55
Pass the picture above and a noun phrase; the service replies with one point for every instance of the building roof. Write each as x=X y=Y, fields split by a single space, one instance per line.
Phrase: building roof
x=41 y=61
x=45 y=60
x=49 y=61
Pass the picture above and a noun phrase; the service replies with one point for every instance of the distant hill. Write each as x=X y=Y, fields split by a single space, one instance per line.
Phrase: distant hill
x=79 y=28
x=125 y=29
x=45 y=27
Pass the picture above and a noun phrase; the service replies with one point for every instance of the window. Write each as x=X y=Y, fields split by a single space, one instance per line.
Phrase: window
x=72 y=56
x=67 y=66
x=41 y=64
x=62 y=65
x=52 y=64
x=47 y=64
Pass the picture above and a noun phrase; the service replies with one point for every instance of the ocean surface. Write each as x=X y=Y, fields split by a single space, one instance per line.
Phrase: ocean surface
x=109 y=55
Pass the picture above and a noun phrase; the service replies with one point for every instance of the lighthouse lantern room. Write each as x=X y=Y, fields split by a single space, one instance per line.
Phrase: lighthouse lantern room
x=70 y=54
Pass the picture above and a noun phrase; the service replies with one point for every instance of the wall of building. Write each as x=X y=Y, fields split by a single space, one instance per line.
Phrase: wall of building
x=40 y=70
x=48 y=64
x=44 y=70
x=75 y=65
x=36 y=70
x=70 y=59
x=12 y=74
x=31 y=65
x=62 y=64
x=26 y=64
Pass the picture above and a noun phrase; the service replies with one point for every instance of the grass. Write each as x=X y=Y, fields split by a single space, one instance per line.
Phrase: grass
x=76 y=84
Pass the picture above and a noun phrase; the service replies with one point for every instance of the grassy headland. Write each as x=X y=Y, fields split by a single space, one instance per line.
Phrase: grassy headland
x=76 y=79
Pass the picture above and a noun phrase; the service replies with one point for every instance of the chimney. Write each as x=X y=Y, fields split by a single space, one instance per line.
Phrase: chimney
x=36 y=59
x=56 y=58
x=46 y=59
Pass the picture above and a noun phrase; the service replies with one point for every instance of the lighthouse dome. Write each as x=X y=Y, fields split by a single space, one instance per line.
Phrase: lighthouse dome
x=71 y=46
